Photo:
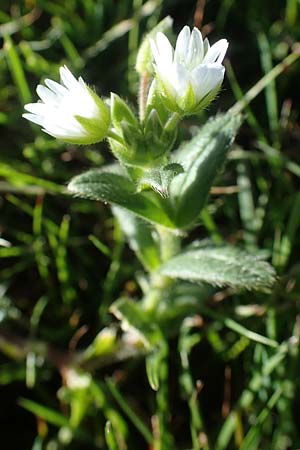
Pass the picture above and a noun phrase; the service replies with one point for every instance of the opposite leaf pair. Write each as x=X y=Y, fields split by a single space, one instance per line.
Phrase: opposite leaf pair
x=185 y=191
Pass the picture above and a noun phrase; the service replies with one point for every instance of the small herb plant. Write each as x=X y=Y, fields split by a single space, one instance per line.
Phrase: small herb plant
x=157 y=193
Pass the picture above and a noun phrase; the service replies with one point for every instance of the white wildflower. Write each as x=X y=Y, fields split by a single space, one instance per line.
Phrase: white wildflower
x=70 y=111
x=191 y=75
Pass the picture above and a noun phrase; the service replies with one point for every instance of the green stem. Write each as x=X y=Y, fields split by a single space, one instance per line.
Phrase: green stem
x=129 y=412
x=198 y=433
x=143 y=92
x=169 y=247
x=169 y=243
x=163 y=440
x=113 y=135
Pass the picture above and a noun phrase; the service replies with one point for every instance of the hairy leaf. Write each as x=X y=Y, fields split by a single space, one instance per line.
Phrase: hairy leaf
x=222 y=266
x=201 y=159
x=117 y=189
x=140 y=236
x=160 y=179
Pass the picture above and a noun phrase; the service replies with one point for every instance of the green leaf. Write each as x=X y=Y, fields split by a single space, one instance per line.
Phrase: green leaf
x=133 y=316
x=140 y=236
x=49 y=415
x=104 y=343
x=183 y=300
x=222 y=266
x=118 y=422
x=118 y=190
x=110 y=437
x=159 y=179
x=156 y=363
x=201 y=159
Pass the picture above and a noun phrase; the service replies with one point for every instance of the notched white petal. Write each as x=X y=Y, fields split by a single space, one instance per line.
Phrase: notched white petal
x=195 y=66
x=67 y=78
x=195 y=50
x=55 y=87
x=217 y=52
x=39 y=120
x=206 y=46
x=59 y=106
x=36 y=108
x=164 y=47
x=180 y=79
x=182 y=44
x=207 y=78
x=155 y=52
x=46 y=95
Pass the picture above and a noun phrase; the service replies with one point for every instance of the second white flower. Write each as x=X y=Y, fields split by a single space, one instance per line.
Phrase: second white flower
x=191 y=75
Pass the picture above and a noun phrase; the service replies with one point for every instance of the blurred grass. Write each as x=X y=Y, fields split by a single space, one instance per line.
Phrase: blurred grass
x=64 y=260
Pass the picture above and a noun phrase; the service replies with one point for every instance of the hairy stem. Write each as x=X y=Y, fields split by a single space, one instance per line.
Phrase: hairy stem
x=143 y=93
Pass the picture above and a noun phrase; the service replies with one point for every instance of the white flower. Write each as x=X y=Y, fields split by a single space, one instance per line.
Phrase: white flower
x=191 y=75
x=70 y=111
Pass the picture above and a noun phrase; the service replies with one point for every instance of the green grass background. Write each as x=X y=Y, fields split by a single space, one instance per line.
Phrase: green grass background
x=64 y=260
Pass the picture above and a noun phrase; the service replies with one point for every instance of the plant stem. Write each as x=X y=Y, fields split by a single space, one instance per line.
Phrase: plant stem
x=143 y=93
x=169 y=243
x=163 y=439
x=169 y=247
x=111 y=134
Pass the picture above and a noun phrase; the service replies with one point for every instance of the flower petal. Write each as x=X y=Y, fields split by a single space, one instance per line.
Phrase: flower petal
x=164 y=48
x=46 y=95
x=180 y=79
x=68 y=78
x=39 y=120
x=206 y=46
x=55 y=87
x=206 y=78
x=195 y=52
x=36 y=108
x=217 y=52
x=182 y=45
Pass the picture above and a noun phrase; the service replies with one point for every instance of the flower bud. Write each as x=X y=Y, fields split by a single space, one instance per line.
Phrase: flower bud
x=144 y=56
x=70 y=111
x=121 y=112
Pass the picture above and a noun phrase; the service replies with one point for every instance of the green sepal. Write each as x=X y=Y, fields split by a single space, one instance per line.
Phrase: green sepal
x=96 y=129
x=165 y=94
x=132 y=137
x=205 y=101
x=153 y=124
x=154 y=101
x=121 y=113
x=188 y=102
